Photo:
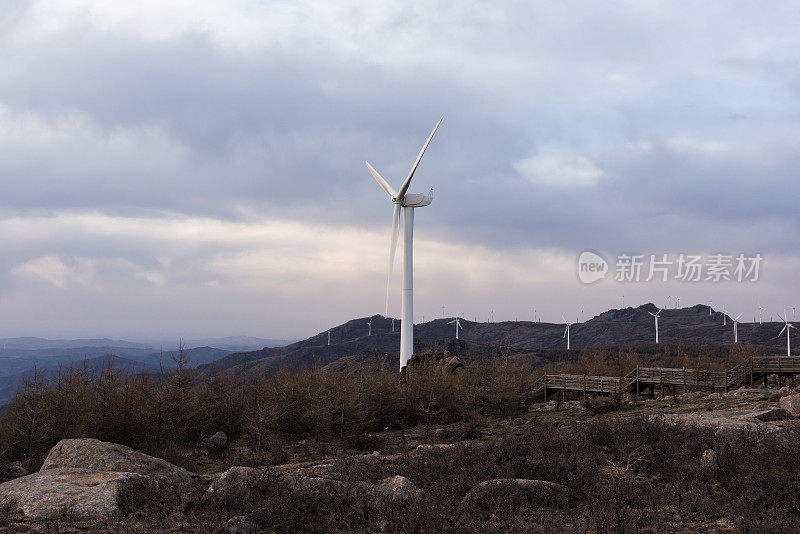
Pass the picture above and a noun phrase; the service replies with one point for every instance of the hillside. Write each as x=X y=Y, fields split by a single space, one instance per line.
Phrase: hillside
x=628 y=326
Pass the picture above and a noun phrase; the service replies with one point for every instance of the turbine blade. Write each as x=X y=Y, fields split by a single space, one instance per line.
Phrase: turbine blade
x=381 y=182
x=404 y=188
x=392 y=250
x=565 y=331
x=782 y=329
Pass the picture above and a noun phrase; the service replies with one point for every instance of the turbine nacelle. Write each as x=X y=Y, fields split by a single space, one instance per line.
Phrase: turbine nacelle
x=415 y=200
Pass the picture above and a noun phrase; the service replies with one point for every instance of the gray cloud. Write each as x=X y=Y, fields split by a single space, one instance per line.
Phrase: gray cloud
x=625 y=128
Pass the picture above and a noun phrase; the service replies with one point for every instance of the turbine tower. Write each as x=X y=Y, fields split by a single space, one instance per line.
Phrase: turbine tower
x=760 y=309
x=655 y=316
x=458 y=325
x=736 y=328
x=329 y=337
x=406 y=201
x=370 y=327
x=788 y=327
x=710 y=302
x=566 y=331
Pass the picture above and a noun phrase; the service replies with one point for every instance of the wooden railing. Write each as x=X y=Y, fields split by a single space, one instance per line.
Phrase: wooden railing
x=669 y=376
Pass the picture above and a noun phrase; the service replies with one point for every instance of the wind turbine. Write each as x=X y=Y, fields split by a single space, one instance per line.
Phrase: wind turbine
x=760 y=309
x=677 y=302
x=458 y=325
x=788 y=326
x=655 y=316
x=710 y=302
x=370 y=327
x=793 y=307
x=406 y=201
x=329 y=337
x=392 y=324
x=724 y=316
x=623 y=301
x=566 y=331
x=736 y=328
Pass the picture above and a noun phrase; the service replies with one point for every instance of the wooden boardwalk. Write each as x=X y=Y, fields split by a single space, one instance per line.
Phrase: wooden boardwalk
x=644 y=379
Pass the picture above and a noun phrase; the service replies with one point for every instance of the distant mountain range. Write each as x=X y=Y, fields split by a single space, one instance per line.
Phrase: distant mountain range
x=531 y=342
x=612 y=328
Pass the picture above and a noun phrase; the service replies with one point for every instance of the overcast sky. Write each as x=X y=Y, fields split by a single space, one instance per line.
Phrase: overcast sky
x=196 y=168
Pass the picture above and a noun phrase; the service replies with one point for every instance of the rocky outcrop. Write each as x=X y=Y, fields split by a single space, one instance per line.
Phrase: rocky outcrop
x=790 y=403
x=493 y=492
x=396 y=488
x=95 y=455
x=772 y=414
x=236 y=476
x=720 y=420
x=81 y=493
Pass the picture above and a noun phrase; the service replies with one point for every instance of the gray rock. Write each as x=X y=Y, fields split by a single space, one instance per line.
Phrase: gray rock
x=708 y=459
x=428 y=447
x=396 y=488
x=241 y=524
x=774 y=414
x=492 y=492
x=714 y=396
x=84 y=494
x=719 y=420
x=791 y=403
x=235 y=476
x=218 y=440
x=95 y=455
x=16 y=470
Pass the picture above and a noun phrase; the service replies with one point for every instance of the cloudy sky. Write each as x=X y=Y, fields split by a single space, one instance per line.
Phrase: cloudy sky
x=196 y=168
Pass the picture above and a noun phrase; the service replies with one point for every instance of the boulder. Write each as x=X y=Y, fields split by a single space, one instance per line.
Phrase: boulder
x=218 y=440
x=790 y=403
x=396 y=488
x=241 y=524
x=235 y=476
x=95 y=455
x=492 y=492
x=773 y=414
x=714 y=396
x=82 y=493
x=708 y=459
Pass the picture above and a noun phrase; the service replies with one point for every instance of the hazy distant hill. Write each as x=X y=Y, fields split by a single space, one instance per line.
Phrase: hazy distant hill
x=37 y=343
x=615 y=327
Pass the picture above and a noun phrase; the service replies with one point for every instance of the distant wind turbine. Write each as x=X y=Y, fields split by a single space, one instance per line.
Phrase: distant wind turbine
x=370 y=327
x=760 y=316
x=788 y=326
x=724 y=316
x=655 y=316
x=623 y=300
x=392 y=324
x=677 y=302
x=566 y=331
x=458 y=325
x=736 y=328
x=407 y=202
x=710 y=302
x=329 y=337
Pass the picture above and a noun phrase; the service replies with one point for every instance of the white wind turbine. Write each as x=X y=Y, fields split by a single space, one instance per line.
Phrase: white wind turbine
x=458 y=325
x=736 y=328
x=329 y=337
x=370 y=327
x=655 y=316
x=788 y=327
x=407 y=201
x=710 y=302
x=760 y=309
x=566 y=331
